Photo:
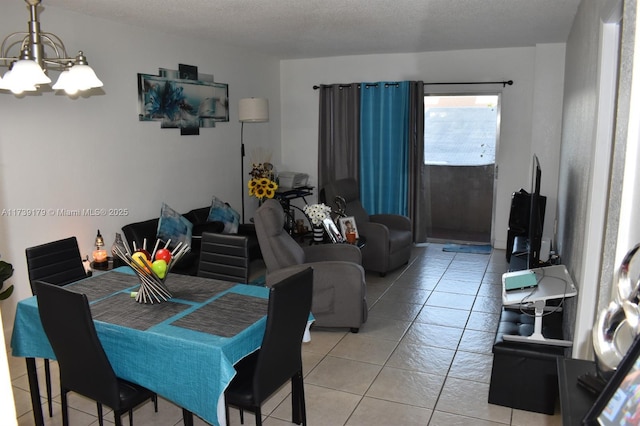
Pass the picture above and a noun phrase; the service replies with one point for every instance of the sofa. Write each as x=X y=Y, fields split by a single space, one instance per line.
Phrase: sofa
x=389 y=236
x=188 y=265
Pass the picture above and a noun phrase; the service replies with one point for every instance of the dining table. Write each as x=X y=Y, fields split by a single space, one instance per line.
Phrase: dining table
x=184 y=349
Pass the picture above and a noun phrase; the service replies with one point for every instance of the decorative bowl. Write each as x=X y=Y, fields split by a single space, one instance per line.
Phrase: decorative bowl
x=152 y=281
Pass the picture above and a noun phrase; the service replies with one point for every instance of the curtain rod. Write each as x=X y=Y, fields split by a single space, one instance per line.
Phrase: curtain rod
x=367 y=85
x=504 y=83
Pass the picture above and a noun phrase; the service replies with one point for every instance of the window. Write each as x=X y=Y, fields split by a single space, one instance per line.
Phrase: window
x=460 y=130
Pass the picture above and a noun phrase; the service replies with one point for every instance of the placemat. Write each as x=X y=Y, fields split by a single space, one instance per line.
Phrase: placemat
x=226 y=316
x=195 y=289
x=104 y=284
x=122 y=309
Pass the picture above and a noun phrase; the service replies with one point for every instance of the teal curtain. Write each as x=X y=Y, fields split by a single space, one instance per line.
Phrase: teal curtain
x=384 y=147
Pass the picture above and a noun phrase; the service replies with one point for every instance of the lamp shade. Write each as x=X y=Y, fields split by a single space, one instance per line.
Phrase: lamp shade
x=253 y=110
x=84 y=77
x=26 y=72
x=65 y=82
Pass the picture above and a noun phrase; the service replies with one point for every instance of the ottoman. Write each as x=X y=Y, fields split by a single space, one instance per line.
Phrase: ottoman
x=524 y=375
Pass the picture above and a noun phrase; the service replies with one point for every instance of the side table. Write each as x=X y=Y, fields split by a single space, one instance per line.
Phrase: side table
x=575 y=401
x=285 y=196
x=360 y=242
x=105 y=266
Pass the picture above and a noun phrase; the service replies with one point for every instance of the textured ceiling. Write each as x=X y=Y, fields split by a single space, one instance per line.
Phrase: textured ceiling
x=317 y=28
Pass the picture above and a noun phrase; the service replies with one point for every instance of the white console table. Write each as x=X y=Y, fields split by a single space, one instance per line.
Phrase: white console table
x=554 y=282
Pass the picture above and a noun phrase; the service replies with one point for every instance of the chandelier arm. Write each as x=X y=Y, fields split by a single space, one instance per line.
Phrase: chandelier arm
x=6 y=46
x=47 y=39
x=55 y=43
x=59 y=64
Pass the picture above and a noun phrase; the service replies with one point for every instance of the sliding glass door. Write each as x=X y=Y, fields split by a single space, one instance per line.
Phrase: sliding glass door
x=460 y=143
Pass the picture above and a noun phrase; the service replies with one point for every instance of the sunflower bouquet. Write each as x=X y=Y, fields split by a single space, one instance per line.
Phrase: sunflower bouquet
x=261 y=185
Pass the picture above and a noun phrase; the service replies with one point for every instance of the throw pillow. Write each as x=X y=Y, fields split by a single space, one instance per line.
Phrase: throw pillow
x=173 y=226
x=222 y=212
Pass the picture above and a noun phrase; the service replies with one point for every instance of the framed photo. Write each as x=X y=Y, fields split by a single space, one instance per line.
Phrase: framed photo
x=618 y=402
x=348 y=224
x=332 y=230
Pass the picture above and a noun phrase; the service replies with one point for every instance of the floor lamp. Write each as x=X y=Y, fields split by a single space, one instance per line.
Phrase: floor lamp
x=250 y=110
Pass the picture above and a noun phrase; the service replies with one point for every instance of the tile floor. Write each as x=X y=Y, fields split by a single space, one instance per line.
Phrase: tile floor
x=422 y=358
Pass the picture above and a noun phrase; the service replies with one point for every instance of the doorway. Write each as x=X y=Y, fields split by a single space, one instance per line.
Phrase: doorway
x=460 y=143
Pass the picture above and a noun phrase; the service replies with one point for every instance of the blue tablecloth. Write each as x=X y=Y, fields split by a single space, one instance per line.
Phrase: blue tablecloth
x=189 y=367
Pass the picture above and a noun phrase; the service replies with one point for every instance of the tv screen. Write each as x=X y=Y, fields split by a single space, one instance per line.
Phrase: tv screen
x=536 y=216
x=619 y=401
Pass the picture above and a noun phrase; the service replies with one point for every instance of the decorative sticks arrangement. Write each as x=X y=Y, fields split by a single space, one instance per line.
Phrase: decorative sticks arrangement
x=152 y=286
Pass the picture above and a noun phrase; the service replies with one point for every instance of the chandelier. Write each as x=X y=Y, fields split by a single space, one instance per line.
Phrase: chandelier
x=35 y=53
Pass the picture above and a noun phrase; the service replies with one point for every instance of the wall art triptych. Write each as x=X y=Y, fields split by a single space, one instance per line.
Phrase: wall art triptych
x=182 y=99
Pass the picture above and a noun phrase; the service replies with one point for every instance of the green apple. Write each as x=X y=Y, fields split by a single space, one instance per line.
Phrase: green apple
x=160 y=268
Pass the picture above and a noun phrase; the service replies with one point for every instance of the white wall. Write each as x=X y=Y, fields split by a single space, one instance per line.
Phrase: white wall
x=531 y=108
x=7 y=402
x=57 y=152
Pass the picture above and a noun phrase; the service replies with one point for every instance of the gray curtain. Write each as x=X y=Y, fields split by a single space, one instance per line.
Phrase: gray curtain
x=419 y=208
x=339 y=139
x=339 y=132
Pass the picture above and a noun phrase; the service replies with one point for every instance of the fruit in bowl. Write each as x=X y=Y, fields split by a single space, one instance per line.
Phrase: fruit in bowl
x=160 y=268
x=152 y=268
x=163 y=254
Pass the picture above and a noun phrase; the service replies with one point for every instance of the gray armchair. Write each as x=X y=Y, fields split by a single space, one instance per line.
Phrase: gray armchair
x=339 y=289
x=389 y=236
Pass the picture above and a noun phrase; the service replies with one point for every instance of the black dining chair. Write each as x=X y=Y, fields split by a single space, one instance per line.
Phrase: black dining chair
x=59 y=263
x=224 y=257
x=279 y=358
x=84 y=366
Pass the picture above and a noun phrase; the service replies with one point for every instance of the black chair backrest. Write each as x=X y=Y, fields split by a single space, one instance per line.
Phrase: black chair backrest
x=58 y=263
x=280 y=354
x=84 y=366
x=224 y=257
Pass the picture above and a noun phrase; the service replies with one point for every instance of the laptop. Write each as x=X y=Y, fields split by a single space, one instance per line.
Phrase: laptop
x=520 y=280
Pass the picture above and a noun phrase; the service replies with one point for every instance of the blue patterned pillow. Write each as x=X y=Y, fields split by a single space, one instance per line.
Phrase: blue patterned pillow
x=221 y=212
x=173 y=226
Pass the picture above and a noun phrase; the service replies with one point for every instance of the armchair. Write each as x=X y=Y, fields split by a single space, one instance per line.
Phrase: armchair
x=389 y=236
x=339 y=290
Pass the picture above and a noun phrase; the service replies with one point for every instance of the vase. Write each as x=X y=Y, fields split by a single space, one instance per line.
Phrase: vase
x=117 y=244
x=318 y=234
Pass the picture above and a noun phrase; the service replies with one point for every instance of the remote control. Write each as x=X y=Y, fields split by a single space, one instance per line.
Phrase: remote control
x=592 y=382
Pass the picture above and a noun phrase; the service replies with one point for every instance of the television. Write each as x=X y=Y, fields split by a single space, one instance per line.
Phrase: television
x=619 y=401
x=537 y=206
